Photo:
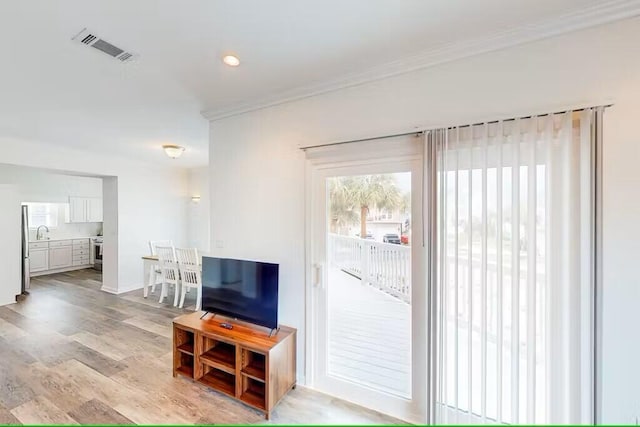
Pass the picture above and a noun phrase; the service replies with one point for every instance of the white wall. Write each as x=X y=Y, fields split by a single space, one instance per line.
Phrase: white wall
x=257 y=170
x=621 y=249
x=151 y=206
x=37 y=185
x=198 y=232
x=110 y=253
x=40 y=185
x=11 y=247
x=151 y=202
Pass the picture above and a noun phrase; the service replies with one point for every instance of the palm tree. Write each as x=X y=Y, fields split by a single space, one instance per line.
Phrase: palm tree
x=363 y=192
x=405 y=203
x=342 y=213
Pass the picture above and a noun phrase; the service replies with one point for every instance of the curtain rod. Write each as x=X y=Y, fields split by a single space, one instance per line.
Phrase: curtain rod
x=423 y=131
x=416 y=133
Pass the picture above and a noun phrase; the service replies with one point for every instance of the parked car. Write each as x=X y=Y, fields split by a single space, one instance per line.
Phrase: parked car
x=391 y=238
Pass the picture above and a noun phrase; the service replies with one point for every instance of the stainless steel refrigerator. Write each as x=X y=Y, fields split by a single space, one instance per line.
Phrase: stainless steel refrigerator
x=25 y=251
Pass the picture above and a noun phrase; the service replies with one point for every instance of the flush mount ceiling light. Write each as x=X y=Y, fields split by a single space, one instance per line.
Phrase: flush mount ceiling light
x=173 y=151
x=231 y=60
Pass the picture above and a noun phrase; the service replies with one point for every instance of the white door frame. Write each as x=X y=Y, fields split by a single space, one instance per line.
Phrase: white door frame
x=409 y=159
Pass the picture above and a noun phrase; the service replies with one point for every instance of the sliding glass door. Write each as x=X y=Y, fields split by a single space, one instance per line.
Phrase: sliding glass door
x=367 y=296
x=487 y=311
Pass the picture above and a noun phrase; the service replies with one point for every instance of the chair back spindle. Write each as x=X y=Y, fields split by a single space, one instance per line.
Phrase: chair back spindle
x=190 y=272
x=169 y=270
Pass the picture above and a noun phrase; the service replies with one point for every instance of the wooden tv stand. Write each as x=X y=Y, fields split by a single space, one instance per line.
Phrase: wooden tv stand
x=243 y=362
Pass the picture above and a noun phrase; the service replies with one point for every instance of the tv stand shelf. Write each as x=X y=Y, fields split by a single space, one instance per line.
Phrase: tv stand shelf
x=244 y=362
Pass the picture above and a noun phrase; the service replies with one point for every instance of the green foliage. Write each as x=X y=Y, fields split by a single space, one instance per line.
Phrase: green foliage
x=352 y=196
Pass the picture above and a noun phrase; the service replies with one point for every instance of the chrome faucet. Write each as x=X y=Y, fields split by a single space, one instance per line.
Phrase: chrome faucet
x=39 y=234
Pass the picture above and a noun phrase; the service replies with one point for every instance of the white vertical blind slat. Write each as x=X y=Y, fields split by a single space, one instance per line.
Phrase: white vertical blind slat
x=546 y=337
x=443 y=264
x=483 y=279
x=531 y=271
x=499 y=284
x=515 y=274
x=588 y=260
x=456 y=402
x=470 y=280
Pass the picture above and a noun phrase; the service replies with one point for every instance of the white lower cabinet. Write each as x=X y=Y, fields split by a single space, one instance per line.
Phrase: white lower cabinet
x=60 y=257
x=38 y=260
x=81 y=252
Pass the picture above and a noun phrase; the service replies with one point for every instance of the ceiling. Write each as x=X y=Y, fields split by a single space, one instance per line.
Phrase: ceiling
x=57 y=91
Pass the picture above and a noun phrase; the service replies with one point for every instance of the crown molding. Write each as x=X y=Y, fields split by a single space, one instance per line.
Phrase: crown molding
x=598 y=14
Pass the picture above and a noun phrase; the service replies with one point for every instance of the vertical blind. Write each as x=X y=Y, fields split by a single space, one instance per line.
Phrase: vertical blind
x=514 y=283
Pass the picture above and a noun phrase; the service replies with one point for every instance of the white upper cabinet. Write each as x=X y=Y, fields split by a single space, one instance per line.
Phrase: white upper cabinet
x=85 y=209
x=77 y=209
x=94 y=209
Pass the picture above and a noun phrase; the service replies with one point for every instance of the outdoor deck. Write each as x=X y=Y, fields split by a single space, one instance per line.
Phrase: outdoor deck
x=361 y=318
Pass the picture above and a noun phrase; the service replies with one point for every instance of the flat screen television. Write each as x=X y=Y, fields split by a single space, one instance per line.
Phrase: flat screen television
x=245 y=290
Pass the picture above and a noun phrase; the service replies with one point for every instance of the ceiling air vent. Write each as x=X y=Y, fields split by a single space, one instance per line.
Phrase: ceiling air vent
x=88 y=38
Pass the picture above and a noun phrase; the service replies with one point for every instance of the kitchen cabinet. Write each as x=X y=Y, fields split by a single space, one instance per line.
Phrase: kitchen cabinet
x=76 y=209
x=60 y=256
x=94 y=209
x=38 y=259
x=51 y=256
x=81 y=252
x=85 y=209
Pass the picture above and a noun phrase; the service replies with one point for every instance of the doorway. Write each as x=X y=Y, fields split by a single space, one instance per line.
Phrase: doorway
x=368 y=321
x=60 y=224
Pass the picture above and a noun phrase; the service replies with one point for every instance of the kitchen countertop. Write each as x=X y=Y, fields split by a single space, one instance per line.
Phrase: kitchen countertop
x=63 y=238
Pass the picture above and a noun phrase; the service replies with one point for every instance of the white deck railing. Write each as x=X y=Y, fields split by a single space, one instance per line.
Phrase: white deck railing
x=383 y=265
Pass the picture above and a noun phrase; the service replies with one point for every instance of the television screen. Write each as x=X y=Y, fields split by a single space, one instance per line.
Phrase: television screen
x=246 y=290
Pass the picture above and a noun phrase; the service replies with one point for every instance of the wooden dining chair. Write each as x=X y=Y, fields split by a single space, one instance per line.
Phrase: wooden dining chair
x=155 y=273
x=169 y=272
x=190 y=273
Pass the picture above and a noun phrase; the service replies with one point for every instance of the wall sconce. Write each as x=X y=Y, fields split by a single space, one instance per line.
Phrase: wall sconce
x=195 y=199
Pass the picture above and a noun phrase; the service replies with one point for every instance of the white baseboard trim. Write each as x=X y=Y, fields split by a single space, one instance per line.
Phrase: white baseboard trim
x=61 y=270
x=3 y=303
x=121 y=291
x=109 y=290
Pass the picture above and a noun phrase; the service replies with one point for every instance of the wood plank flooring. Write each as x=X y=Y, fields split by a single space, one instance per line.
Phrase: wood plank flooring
x=71 y=354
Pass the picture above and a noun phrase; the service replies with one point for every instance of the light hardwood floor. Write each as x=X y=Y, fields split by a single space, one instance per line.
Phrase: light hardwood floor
x=70 y=353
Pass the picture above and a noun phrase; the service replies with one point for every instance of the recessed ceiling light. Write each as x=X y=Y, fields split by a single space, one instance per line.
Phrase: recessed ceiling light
x=231 y=60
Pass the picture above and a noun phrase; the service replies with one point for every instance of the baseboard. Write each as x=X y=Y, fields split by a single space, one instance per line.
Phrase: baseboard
x=60 y=270
x=121 y=291
x=3 y=303
x=109 y=290
x=130 y=288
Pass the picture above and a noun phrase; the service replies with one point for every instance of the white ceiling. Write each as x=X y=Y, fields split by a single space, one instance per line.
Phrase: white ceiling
x=58 y=91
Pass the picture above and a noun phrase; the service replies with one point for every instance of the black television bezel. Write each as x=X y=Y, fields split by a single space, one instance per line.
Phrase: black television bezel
x=234 y=315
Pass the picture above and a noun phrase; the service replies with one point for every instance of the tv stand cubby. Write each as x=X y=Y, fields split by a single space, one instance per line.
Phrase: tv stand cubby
x=244 y=363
